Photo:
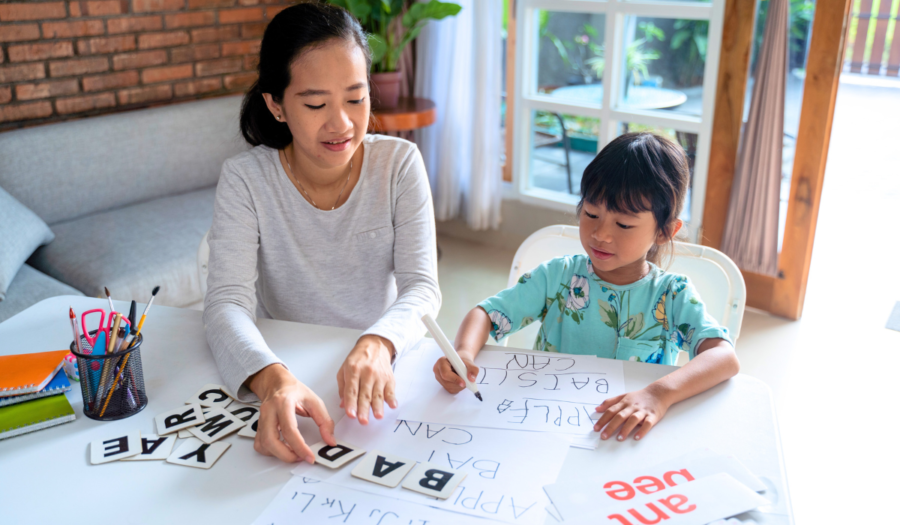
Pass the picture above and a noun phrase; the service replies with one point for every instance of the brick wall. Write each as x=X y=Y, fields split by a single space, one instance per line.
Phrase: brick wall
x=69 y=59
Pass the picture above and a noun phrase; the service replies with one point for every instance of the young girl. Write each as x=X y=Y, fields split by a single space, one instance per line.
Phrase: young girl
x=615 y=302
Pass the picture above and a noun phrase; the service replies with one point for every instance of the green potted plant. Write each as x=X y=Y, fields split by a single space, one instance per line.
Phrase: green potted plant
x=376 y=17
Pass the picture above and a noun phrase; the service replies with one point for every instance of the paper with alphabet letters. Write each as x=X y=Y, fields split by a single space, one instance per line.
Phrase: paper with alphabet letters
x=522 y=390
x=116 y=447
x=249 y=430
x=154 y=447
x=701 y=501
x=308 y=501
x=383 y=468
x=335 y=456
x=211 y=396
x=219 y=423
x=573 y=497
x=179 y=418
x=505 y=470
x=195 y=453
x=243 y=411
x=433 y=480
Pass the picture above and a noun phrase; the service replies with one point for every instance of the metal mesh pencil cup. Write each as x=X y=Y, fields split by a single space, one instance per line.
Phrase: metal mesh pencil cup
x=112 y=385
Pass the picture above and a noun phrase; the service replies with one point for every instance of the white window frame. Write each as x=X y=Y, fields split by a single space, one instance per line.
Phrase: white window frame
x=526 y=99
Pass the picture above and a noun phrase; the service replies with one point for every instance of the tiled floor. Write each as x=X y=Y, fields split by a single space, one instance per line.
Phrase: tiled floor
x=833 y=373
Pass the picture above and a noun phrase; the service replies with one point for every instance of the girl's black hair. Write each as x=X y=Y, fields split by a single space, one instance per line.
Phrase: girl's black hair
x=639 y=172
x=292 y=31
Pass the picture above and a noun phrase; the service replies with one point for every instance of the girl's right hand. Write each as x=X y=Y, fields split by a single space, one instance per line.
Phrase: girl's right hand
x=448 y=379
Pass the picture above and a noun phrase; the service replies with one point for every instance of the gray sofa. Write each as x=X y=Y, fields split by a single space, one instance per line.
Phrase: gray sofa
x=128 y=197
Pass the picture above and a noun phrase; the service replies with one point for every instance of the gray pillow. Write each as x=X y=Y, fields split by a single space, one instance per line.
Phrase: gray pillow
x=21 y=232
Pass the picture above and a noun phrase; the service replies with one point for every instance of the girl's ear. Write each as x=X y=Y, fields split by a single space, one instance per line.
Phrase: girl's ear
x=673 y=229
x=274 y=107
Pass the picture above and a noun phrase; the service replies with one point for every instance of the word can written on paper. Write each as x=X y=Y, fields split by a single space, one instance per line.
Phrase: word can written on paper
x=522 y=390
x=305 y=500
x=505 y=474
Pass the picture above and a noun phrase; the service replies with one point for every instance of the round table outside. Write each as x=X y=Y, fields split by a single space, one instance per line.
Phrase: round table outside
x=411 y=113
x=639 y=97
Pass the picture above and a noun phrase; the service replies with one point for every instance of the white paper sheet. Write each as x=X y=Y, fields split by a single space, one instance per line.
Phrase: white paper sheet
x=522 y=390
x=506 y=471
x=306 y=500
x=700 y=501
x=573 y=497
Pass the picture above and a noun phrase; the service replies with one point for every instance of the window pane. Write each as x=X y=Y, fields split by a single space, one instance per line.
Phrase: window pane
x=688 y=142
x=561 y=147
x=663 y=67
x=570 y=55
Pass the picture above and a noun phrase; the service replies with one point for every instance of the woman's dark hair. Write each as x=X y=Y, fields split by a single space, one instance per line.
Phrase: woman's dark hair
x=639 y=172
x=291 y=32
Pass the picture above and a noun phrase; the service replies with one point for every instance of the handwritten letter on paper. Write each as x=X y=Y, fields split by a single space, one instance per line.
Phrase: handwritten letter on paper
x=306 y=500
x=505 y=471
x=522 y=390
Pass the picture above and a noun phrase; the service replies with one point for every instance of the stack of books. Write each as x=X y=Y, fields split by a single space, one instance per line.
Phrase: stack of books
x=33 y=392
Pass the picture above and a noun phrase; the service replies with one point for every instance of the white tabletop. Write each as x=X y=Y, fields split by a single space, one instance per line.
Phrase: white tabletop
x=46 y=476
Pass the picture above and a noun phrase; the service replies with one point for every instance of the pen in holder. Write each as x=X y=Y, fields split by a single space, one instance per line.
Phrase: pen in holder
x=112 y=385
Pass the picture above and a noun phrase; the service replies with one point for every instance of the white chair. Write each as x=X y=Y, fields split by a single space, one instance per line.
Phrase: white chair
x=203 y=263
x=716 y=278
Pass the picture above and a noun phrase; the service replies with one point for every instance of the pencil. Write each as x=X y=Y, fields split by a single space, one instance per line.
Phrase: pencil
x=76 y=332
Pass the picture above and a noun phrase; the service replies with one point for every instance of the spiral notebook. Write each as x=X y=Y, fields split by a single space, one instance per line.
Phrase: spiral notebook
x=29 y=373
x=58 y=385
x=35 y=415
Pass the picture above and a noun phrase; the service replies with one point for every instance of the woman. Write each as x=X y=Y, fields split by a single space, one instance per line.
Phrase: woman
x=318 y=223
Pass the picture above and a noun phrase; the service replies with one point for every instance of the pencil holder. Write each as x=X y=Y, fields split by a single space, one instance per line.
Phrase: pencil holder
x=112 y=385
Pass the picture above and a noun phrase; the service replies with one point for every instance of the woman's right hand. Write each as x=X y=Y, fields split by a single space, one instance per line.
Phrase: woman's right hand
x=448 y=379
x=283 y=396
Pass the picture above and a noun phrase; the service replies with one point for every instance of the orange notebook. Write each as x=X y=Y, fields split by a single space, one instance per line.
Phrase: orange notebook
x=28 y=373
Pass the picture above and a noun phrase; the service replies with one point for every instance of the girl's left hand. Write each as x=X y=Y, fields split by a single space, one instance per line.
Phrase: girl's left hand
x=642 y=407
x=366 y=379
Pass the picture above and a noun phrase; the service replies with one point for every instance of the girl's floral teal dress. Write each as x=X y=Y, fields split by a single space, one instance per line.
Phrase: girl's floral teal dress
x=650 y=320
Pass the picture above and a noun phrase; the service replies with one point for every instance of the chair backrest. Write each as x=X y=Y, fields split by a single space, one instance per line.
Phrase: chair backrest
x=716 y=278
x=203 y=263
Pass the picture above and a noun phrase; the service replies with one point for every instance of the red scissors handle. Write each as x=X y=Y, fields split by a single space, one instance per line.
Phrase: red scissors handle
x=101 y=327
x=111 y=322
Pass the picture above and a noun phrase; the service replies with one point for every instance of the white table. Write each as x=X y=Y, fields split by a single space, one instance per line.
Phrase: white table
x=46 y=476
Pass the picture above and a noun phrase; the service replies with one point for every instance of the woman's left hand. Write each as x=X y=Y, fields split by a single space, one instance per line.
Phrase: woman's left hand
x=642 y=407
x=366 y=379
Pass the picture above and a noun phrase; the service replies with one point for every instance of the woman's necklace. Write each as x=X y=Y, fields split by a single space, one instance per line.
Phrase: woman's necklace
x=310 y=199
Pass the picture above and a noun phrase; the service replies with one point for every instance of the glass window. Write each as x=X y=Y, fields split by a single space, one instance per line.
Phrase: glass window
x=570 y=56
x=688 y=141
x=562 y=146
x=663 y=64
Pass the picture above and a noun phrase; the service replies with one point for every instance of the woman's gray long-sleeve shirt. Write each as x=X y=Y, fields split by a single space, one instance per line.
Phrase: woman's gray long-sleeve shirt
x=370 y=264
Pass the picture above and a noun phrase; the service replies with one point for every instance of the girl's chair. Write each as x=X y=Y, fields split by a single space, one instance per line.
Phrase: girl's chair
x=717 y=279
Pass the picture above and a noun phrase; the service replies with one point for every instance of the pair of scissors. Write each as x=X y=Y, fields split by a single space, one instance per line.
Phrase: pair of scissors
x=102 y=328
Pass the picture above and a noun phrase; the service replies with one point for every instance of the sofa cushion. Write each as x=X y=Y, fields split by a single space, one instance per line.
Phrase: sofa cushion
x=130 y=250
x=72 y=169
x=29 y=287
x=22 y=232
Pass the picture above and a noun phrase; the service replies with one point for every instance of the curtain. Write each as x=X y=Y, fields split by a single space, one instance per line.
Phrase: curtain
x=751 y=229
x=458 y=66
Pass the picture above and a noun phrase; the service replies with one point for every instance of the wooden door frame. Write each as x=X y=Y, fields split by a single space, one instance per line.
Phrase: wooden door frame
x=782 y=295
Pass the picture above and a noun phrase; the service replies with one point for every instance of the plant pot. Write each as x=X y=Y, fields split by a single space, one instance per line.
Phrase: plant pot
x=385 y=90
